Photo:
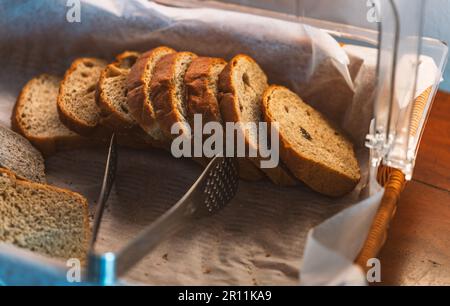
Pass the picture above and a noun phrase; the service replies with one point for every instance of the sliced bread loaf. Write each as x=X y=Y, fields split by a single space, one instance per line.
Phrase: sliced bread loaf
x=138 y=96
x=42 y=218
x=167 y=91
x=76 y=99
x=19 y=156
x=35 y=116
x=313 y=149
x=201 y=81
x=112 y=93
x=242 y=84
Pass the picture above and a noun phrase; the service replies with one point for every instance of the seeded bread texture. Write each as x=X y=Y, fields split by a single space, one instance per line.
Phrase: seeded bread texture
x=168 y=91
x=112 y=93
x=313 y=149
x=35 y=116
x=138 y=96
x=242 y=84
x=42 y=218
x=77 y=107
x=202 y=81
x=19 y=156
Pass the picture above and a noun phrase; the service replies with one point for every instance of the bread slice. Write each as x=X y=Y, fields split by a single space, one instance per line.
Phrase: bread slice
x=201 y=81
x=42 y=218
x=76 y=99
x=111 y=97
x=313 y=149
x=112 y=93
x=19 y=156
x=167 y=91
x=138 y=96
x=242 y=84
x=35 y=116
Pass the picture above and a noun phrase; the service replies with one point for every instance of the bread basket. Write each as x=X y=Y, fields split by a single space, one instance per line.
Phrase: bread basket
x=396 y=131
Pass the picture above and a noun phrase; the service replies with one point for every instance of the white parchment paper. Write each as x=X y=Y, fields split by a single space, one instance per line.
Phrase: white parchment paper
x=260 y=238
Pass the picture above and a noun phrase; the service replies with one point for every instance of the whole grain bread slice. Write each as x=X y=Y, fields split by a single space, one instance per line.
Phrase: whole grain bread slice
x=76 y=99
x=314 y=150
x=242 y=84
x=138 y=96
x=42 y=218
x=201 y=81
x=19 y=156
x=111 y=94
x=111 y=97
x=167 y=91
x=35 y=116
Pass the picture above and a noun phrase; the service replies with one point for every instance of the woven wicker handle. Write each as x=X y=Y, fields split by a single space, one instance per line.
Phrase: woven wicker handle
x=393 y=181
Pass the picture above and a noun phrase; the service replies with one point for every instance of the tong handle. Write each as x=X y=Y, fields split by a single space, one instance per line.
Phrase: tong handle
x=165 y=226
x=169 y=223
x=106 y=268
x=108 y=181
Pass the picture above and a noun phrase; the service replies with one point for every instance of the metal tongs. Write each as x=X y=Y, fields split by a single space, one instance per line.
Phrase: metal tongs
x=212 y=191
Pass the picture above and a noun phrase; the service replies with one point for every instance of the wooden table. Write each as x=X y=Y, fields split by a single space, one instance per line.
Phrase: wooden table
x=418 y=248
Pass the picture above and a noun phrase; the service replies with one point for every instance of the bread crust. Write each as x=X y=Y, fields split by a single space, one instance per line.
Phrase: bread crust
x=163 y=93
x=317 y=176
x=65 y=116
x=109 y=115
x=129 y=133
x=47 y=145
x=199 y=98
x=229 y=107
x=138 y=86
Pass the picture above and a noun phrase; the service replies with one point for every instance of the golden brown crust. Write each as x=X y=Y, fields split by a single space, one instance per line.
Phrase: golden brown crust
x=80 y=199
x=47 y=145
x=110 y=117
x=138 y=88
x=229 y=107
x=200 y=99
x=318 y=177
x=65 y=116
x=227 y=93
x=163 y=92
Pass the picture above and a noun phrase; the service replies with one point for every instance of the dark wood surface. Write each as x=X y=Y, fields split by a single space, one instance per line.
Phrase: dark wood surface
x=417 y=251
